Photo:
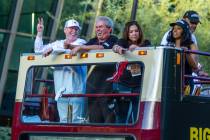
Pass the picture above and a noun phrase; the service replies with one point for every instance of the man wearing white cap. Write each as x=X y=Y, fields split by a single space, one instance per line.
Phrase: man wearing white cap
x=71 y=31
x=192 y=18
x=67 y=79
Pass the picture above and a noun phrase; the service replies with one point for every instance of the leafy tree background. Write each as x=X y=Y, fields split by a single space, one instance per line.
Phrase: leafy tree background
x=154 y=17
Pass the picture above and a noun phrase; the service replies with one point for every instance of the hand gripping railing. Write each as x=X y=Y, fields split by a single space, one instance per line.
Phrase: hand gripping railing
x=202 y=79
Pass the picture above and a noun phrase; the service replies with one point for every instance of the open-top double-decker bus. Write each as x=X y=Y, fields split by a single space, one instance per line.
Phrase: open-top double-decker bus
x=142 y=91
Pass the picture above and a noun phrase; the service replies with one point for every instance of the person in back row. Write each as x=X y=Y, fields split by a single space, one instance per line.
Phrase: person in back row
x=130 y=80
x=67 y=79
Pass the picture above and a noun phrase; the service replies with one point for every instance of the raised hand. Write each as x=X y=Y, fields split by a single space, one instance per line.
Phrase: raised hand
x=40 y=25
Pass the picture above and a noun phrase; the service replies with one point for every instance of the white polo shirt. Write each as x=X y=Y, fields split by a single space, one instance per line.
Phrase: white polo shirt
x=39 y=47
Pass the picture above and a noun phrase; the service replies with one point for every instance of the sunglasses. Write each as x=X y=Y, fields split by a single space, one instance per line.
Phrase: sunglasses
x=195 y=23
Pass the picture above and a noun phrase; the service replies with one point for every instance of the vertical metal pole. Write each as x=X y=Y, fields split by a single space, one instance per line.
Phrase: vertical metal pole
x=32 y=24
x=134 y=9
x=91 y=27
x=98 y=11
x=56 y=21
x=58 y=13
x=10 y=46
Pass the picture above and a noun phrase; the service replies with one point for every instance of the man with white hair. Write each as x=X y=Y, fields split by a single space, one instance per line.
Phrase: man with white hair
x=67 y=79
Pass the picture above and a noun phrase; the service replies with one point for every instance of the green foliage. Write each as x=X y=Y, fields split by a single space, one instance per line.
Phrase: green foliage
x=119 y=11
x=85 y=11
x=154 y=17
x=74 y=9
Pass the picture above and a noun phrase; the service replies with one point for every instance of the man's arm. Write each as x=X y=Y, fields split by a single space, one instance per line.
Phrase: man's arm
x=192 y=58
x=84 y=47
x=39 y=47
x=91 y=47
x=77 y=48
x=194 y=39
x=38 y=44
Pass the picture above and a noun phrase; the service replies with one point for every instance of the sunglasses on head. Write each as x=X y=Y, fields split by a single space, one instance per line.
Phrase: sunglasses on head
x=195 y=23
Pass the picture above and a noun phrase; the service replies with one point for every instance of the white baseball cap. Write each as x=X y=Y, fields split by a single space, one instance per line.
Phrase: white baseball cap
x=72 y=23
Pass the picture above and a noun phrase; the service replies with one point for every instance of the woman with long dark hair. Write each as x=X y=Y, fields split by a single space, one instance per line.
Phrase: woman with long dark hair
x=130 y=80
x=180 y=37
x=132 y=38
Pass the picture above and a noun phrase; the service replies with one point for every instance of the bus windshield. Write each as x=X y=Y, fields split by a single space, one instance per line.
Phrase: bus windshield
x=105 y=93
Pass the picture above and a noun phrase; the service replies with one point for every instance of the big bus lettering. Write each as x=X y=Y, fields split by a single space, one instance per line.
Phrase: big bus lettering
x=197 y=133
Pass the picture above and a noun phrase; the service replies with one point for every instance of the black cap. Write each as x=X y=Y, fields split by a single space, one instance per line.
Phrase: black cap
x=192 y=16
x=182 y=23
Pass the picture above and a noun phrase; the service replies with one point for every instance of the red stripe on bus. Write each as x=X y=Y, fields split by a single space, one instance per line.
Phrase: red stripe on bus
x=135 y=130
